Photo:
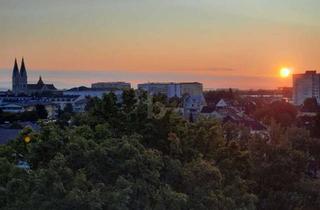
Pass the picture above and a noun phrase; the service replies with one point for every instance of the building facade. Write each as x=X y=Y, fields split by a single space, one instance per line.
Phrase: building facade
x=111 y=85
x=155 y=88
x=85 y=92
x=191 y=88
x=305 y=86
x=173 y=89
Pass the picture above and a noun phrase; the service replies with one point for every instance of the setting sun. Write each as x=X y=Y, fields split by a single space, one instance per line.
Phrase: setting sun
x=285 y=72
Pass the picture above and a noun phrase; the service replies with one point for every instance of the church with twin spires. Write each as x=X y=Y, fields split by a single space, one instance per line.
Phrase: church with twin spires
x=20 y=82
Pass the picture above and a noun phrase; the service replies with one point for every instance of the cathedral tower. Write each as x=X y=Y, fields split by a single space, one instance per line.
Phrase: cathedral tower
x=15 y=78
x=23 y=77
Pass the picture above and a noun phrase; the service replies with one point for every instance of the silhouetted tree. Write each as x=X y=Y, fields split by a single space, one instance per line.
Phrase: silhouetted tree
x=41 y=111
x=310 y=105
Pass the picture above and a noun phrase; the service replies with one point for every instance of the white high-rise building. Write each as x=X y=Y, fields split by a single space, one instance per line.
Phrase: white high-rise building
x=305 y=86
x=173 y=89
x=111 y=85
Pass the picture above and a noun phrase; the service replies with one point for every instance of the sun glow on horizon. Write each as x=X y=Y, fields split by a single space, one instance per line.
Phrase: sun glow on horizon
x=285 y=72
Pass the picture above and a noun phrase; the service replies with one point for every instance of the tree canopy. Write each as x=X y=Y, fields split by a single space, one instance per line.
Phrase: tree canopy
x=121 y=157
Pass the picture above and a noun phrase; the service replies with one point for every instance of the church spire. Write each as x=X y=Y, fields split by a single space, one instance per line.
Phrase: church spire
x=23 y=71
x=40 y=82
x=23 y=76
x=15 y=68
x=15 y=77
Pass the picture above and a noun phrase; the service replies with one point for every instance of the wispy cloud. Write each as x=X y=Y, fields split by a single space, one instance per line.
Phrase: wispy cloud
x=221 y=69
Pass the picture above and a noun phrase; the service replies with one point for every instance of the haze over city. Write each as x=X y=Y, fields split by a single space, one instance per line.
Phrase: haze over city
x=238 y=44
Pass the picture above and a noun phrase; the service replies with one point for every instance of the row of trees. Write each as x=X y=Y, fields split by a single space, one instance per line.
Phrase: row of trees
x=121 y=156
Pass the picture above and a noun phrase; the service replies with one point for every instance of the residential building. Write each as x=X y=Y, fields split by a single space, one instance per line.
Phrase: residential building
x=173 y=89
x=191 y=94
x=16 y=104
x=62 y=101
x=155 y=88
x=192 y=106
x=191 y=88
x=222 y=103
x=228 y=111
x=12 y=107
x=111 y=85
x=25 y=106
x=305 y=86
x=84 y=92
x=80 y=105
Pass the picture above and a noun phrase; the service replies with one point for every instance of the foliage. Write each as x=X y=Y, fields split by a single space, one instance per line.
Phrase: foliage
x=41 y=111
x=310 y=105
x=213 y=96
x=281 y=112
x=68 y=108
x=120 y=156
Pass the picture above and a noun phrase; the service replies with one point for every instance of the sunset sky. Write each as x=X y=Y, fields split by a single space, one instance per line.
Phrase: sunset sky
x=221 y=43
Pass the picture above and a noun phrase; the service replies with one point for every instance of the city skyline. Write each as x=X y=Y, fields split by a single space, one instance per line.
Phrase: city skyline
x=69 y=79
x=239 y=44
